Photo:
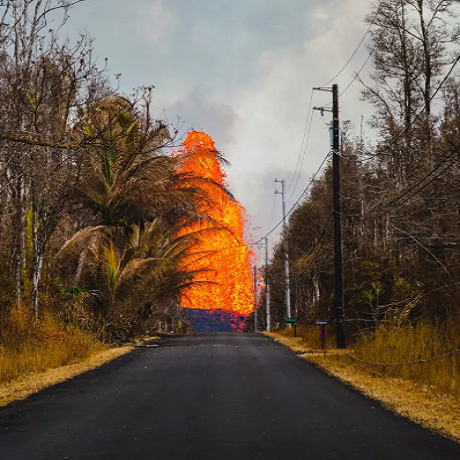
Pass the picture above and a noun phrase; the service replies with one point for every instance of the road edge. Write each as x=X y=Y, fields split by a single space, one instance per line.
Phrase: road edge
x=420 y=404
x=33 y=383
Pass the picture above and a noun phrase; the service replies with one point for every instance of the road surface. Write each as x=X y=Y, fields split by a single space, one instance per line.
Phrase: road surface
x=211 y=397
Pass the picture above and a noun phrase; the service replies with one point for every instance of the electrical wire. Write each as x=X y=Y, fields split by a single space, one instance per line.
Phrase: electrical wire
x=440 y=86
x=309 y=119
x=358 y=73
x=395 y=200
x=303 y=146
x=413 y=187
x=351 y=57
x=307 y=142
x=298 y=199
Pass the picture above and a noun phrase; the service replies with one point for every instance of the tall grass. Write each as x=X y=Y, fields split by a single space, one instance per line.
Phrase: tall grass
x=397 y=351
x=309 y=335
x=394 y=351
x=28 y=345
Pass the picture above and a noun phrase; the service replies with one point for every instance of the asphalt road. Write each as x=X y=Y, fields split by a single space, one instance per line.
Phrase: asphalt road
x=211 y=397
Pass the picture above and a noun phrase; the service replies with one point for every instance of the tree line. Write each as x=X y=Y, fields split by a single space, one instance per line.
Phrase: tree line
x=400 y=188
x=91 y=200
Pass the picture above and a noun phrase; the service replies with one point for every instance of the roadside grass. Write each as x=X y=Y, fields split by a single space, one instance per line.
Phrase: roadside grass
x=35 y=354
x=308 y=337
x=423 y=354
x=427 y=393
x=32 y=383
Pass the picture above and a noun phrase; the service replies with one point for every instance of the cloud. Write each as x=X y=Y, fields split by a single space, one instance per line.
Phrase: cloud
x=159 y=24
x=200 y=109
x=321 y=13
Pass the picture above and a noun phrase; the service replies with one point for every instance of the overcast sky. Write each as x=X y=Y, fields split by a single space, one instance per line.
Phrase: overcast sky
x=242 y=71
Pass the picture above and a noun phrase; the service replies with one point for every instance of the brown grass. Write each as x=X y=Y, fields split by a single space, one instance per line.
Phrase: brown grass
x=21 y=388
x=308 y=336
x=404 y=391
x=411 y=344
x=37 y=353
x=29 y=345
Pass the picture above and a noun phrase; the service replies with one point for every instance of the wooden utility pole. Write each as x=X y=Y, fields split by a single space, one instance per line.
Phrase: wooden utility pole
x=340 y=335
x=338 y=270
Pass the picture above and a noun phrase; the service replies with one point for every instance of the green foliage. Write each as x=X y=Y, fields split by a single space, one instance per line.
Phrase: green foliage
x=370 y=282
x=402 y=290
x=74 y=292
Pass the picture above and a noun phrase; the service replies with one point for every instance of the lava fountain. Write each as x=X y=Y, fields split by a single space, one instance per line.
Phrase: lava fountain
x=222 y=297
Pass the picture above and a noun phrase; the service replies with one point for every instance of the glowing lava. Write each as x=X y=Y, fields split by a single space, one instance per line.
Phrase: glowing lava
x=228 y=281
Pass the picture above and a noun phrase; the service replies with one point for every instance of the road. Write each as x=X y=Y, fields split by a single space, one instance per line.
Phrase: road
x=211 y=397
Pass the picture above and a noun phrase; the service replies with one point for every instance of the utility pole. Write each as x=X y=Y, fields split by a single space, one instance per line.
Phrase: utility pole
x=256 y=329
x=340 y=335
x=267 y=289
x=286 y=253
x=338 y=270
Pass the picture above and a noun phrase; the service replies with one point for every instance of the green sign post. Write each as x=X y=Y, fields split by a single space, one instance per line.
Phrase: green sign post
x=292 y=321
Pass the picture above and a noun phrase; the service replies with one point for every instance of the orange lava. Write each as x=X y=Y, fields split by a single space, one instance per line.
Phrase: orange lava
x=223 y=253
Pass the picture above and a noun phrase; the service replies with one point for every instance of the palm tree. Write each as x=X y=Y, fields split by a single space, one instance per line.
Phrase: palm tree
x=129 y=253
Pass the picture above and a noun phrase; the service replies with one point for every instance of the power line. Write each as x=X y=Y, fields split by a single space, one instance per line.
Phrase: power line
x=437 y=167
x=351 y=57
x=303 y=156
x=413 y=187
x=303 y=146
x=456 y=61
x=298 y=199
x=308 y=122
x=309 y=119
x=358 y=73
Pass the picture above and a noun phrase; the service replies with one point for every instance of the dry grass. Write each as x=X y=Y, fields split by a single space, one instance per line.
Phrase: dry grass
x=31 y=346
x=20 y=389
x=308 y=337
x=147 y=341
x=428 y=404
x=410 y=344
x=35 y=354
x=295 y=344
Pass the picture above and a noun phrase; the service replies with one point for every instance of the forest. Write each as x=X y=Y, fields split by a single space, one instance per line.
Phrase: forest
x=92 y=200
x=400 y=192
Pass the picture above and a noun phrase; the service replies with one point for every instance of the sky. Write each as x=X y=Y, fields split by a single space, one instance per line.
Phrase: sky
x=243 y=72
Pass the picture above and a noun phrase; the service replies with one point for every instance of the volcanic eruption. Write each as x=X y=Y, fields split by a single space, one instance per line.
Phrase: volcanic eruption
x=222 y=297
